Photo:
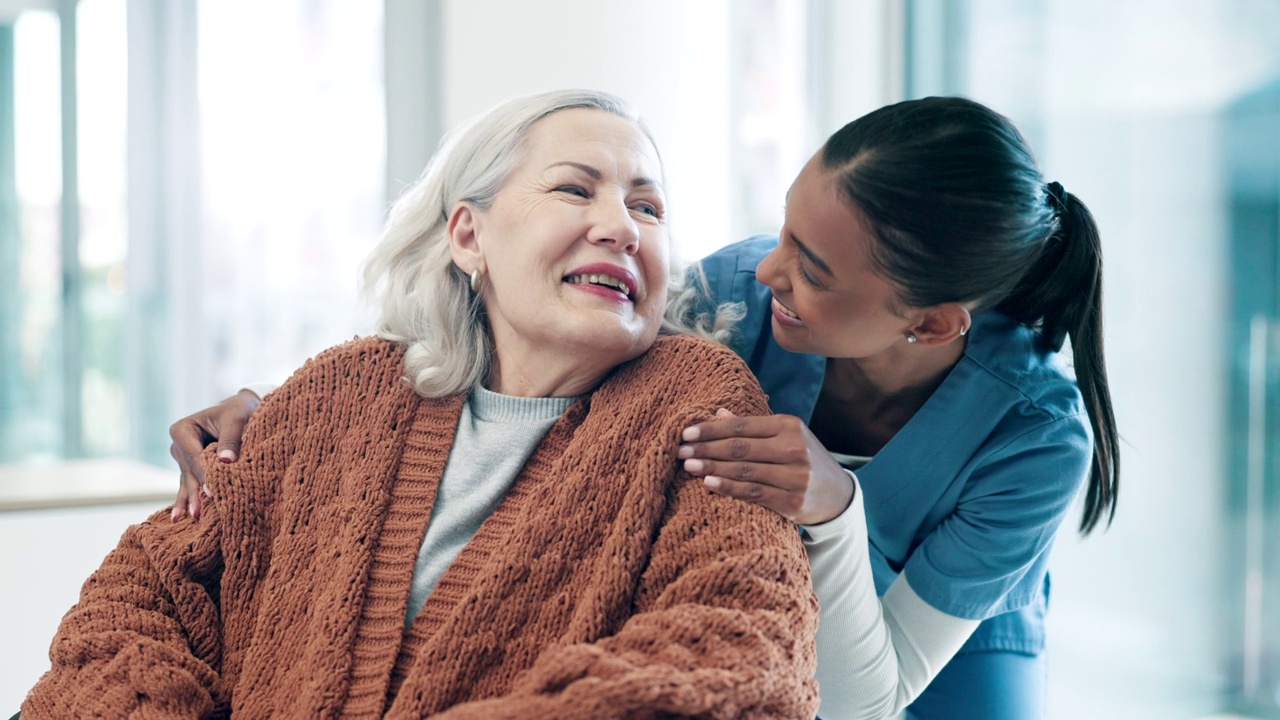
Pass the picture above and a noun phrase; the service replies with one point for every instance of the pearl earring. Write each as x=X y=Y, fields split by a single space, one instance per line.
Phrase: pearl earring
x=475 y=280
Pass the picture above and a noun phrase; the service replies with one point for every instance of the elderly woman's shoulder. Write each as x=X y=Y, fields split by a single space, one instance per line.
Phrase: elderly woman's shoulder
x=689 y=376
x=679 y=344
x=371 y=350
x=367 y=357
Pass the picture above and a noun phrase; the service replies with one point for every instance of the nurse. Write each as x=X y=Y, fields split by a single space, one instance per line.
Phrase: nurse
x=906 y=325
x=927 y=440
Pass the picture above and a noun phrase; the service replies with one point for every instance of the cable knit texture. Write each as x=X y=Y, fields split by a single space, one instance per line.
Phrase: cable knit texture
x=606 y=584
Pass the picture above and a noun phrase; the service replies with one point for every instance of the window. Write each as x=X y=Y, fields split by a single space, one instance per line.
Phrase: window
x=30 y=188
x=770 y=138
x=1165 y=122
x=64 y=241
x=293 y=151
x=184 y=208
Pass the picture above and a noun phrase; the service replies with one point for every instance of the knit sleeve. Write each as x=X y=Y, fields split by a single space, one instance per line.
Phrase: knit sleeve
x=149 y=635
x=724 y=622
x=143 y=640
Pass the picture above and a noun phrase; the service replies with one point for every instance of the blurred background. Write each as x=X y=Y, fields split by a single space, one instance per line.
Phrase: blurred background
x=188 y=187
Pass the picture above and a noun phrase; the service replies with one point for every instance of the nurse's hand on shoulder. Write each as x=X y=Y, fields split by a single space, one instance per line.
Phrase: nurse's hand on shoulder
x=223 y=423
x=773 y=461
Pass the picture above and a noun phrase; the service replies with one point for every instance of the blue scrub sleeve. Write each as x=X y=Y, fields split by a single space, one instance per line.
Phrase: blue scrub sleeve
x=977 y=562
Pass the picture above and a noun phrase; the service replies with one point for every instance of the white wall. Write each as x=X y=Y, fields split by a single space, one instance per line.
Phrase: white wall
x=47 y=556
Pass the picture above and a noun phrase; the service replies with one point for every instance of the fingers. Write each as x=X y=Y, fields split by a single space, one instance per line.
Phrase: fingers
x=232 y=417
x=783 y=477
x=192 y=467
x=784 y=502
x=783 y=450
x=224 y=423
x=772 y=461
x=195 y=499
x=189 y=438
x=773 y=439
x=787 y=490
x=229 y=440
x=190 y=489
x=729 y=425
x=180 y=502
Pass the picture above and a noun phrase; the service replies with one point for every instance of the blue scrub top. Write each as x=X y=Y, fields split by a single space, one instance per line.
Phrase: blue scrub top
x=967 y=497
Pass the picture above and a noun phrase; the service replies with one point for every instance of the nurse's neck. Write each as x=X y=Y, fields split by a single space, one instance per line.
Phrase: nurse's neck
x=897 y=380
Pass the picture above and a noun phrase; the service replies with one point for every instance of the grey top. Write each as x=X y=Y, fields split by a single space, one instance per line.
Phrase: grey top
x=496 y=435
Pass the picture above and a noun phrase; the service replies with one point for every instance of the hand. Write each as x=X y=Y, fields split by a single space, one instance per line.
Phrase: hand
x=773 y=461
x=224 y=423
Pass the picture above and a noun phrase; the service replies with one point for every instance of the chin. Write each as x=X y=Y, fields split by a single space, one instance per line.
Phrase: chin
x=620 y=343
x=632 y=347
x=791 y=340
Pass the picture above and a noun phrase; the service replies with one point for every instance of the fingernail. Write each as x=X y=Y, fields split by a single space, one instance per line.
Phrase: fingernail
x=693 y=466
x=712 y=482
x=174 y=515
x=205 y=489
x=227 y=455
x=685 y=451
x=689 y=434
x=722 y=412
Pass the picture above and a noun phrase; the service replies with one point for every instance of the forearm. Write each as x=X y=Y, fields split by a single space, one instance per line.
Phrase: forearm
x=874 y=656
x=687 y=661
x=703 y=664
x=724 y=628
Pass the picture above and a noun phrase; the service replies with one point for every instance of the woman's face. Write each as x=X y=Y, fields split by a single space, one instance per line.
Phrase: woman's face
x=574 y=249
x=827 y=298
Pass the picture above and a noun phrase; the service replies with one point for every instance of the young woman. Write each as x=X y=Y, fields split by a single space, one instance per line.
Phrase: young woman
x=905 y=326
x=927 y=439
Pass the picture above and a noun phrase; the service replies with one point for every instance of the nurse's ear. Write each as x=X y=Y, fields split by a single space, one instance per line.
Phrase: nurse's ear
x=941 y=324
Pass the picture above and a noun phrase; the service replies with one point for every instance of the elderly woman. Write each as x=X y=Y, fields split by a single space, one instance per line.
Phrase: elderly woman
x=478 y=513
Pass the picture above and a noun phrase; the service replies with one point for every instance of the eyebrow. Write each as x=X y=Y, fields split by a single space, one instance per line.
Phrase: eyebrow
x=813 y=258
x=595 y=174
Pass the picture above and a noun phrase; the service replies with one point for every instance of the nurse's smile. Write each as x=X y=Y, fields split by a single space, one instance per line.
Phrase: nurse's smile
x=785 y=315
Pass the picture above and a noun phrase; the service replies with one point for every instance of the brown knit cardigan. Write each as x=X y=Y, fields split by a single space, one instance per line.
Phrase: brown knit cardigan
x=606 y=584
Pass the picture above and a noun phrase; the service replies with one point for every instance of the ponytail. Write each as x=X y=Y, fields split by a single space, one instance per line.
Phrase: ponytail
x=1061 y=296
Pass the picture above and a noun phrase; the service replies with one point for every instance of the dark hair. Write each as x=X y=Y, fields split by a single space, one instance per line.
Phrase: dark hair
x=962 y=214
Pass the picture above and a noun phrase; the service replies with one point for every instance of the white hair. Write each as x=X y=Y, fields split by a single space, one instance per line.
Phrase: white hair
x=425 y=300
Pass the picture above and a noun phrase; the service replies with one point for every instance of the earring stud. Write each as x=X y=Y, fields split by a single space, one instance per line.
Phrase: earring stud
x=911 y=337
x=475 y=280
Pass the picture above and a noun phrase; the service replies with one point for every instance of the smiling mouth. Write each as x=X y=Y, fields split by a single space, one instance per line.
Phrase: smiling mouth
x=784 y=309
x=602 y=280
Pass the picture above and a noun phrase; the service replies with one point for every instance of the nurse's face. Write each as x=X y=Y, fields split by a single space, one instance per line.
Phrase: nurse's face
x=827 y=297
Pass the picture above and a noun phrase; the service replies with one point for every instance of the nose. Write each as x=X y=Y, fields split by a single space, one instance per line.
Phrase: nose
x=768 y=271
x=612 y=225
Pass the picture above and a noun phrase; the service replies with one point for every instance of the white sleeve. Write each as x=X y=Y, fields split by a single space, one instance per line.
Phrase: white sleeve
x=874 y=655
x=260 y=389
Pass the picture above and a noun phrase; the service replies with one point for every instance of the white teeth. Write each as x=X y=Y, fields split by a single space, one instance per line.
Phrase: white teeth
x=785 y=310
x=600 y=279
